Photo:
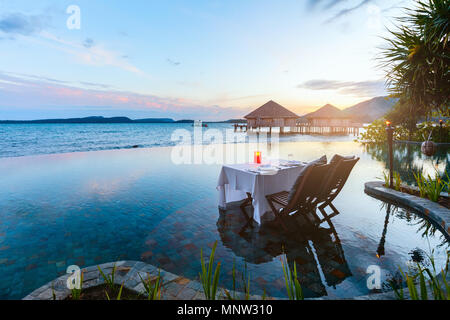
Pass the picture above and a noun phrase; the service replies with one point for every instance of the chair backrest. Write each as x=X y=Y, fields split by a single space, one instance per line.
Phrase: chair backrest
x=337 y=179
x=309 y=190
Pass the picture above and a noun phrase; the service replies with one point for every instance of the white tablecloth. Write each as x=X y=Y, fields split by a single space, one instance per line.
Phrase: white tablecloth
x=235 y=181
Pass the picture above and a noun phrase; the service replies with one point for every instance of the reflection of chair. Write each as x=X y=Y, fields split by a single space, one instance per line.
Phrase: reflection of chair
x=304 y=196
x=330 y=255
x=333 y=186
x=311 y=247
x=326 y=244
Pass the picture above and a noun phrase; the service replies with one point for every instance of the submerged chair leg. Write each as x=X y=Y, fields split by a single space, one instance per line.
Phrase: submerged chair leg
x=312 y=216
x=324 y=213
x=245 y=204
x=277 y=214
x=280 y=221
x=247 y=201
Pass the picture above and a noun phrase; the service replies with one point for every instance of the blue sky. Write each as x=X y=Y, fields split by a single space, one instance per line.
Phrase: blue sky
x=195 y=59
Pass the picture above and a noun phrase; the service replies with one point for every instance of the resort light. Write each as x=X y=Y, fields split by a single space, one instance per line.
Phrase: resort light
x=388 y=123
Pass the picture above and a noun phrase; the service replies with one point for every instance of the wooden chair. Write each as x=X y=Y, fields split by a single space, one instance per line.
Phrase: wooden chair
x=304 y=198
x=333 y=186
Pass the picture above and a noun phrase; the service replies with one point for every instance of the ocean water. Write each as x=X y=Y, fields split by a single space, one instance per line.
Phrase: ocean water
x=31 y=139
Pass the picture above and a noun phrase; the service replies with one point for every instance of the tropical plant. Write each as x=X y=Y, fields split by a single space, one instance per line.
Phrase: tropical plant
x=209 y=279
x=416 y=61
x=53 y=293
x=447 y=183
x=109 y=279
x=420 y=182
x=430 y=284
x=152 y=286
x=246 y=275
x=245 y=284
x=233 y=277
x=386 y=179
x=110 y=283
x=397 y=180
x=434 y=187
x=119 y=294
x=293 y=287
x=376 y=131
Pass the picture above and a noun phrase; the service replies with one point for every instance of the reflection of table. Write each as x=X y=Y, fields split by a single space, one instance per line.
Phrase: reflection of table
x=235 y=181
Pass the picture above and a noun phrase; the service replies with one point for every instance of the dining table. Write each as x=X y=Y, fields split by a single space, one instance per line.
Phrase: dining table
x=252 y=181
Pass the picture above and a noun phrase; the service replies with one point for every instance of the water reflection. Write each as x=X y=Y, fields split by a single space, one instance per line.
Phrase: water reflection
x=424 y=227
x=408 y=159
x=316 y=250
x=91 y=208
x=380 y=249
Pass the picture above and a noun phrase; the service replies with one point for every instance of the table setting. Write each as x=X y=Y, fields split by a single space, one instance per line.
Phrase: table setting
x=259 y=178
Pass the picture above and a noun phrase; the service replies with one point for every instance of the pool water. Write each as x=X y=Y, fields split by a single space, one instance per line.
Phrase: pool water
x=88 y=208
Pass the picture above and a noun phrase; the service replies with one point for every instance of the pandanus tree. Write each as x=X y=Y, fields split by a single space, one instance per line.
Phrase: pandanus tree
x=416 y=59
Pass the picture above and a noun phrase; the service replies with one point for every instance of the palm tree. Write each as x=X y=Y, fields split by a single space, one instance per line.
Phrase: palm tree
x=416 y=60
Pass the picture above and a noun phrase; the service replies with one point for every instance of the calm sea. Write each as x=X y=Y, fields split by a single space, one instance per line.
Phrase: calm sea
x=30 y=139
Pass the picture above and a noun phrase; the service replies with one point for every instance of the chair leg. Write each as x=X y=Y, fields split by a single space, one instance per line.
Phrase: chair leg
x=246 y=226
x=246 y=203
x=335 y=211
x=324 y=213
x=278 y=218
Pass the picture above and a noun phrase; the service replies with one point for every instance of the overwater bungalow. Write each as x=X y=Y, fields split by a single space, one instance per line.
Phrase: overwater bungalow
x=327 y=120
x=271 y=115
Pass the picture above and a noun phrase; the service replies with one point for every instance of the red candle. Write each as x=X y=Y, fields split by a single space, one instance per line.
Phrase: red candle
x=257 y=157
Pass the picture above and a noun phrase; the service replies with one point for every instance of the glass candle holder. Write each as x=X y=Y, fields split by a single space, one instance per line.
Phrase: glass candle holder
x=257 y=157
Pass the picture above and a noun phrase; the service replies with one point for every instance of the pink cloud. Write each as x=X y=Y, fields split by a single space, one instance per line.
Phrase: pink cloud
x=23 y=92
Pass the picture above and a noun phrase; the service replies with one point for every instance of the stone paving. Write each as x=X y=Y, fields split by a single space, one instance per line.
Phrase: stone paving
x=174 y=287
x=129 y=273
x=433 y=211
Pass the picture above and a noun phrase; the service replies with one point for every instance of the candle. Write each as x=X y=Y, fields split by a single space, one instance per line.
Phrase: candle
x=257 y=157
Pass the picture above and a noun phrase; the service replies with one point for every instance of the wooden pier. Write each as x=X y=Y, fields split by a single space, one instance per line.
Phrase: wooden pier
x=306 y=128
x=327 y=120
x=240 y=127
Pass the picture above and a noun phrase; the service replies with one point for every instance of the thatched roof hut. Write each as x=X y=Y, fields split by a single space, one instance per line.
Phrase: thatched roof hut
x=271 y=115
x=328 y=115
x=328 y=111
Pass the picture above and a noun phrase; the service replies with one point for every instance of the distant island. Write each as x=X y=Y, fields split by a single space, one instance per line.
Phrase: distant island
x=365 y=112
x=100 y=119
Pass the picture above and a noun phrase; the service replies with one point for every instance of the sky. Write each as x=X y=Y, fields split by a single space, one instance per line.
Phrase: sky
x=197 y=59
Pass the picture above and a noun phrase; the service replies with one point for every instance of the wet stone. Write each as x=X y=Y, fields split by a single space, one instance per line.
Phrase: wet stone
x=186 y=294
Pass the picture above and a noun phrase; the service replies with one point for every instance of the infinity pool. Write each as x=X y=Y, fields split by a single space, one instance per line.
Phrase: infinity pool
x=95 y=207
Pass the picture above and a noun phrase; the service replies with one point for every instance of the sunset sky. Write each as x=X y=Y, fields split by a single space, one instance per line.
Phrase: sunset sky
x=210 y=60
